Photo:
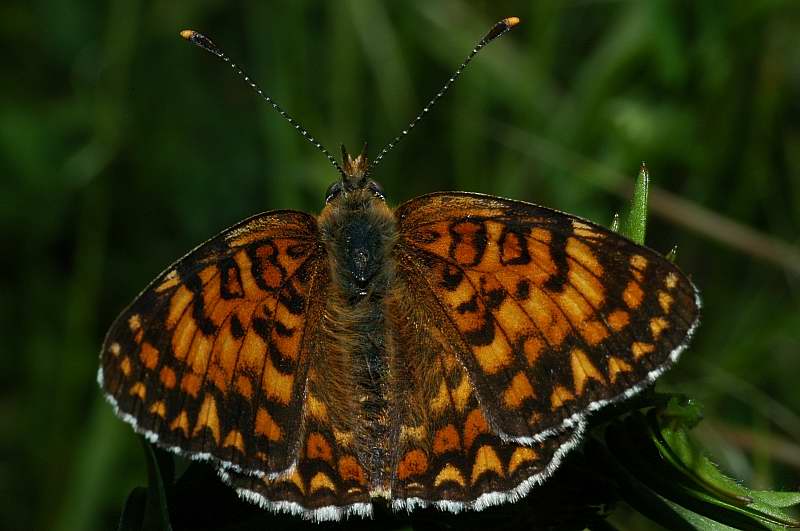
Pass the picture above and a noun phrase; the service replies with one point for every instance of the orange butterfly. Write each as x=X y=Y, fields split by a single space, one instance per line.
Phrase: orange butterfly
x=446 y=353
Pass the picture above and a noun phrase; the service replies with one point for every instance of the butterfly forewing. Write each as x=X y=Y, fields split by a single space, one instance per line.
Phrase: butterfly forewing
x=210 y=359
x=553 y=316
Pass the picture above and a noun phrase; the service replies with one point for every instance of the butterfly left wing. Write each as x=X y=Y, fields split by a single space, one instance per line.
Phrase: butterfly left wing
x=551 y=315
x=210 y=359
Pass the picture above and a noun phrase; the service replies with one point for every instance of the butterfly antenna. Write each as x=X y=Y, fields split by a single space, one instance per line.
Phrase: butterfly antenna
x=497 y=30
x=198 y=39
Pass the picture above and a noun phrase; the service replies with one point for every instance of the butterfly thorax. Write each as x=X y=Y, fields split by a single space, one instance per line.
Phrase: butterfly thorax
x=359 y=232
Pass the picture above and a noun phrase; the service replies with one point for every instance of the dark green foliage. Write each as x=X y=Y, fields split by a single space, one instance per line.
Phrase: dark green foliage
x=661 y=473
x=121 y=147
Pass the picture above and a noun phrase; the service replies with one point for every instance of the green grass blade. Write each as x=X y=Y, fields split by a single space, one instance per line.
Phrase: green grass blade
x=635 y=225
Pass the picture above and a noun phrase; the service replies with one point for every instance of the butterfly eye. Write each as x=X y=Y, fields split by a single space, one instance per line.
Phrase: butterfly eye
x=333 y=190
x=376 y=189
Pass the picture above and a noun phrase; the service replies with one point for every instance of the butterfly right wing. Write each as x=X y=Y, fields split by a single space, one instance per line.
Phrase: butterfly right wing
x=210 y=360
x=552 y=316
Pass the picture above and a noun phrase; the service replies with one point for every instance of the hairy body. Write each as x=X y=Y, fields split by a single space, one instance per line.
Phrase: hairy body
x=359 y=232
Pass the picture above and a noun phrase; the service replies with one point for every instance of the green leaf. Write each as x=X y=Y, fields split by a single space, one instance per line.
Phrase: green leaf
x=680 y=411
x=662 y=481
x=635 y=225
x=705 y=482
x=698 y=521
x=776 y=498
x=661 y=473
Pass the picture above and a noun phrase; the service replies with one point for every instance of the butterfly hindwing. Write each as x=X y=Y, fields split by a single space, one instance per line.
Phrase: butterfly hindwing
x=210 y=359
x=328 y=481
x=445 y=452
x=552 y=316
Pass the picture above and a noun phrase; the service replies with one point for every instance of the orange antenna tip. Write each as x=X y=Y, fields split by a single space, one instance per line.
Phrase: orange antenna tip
x=187 y=34
x=511 y=21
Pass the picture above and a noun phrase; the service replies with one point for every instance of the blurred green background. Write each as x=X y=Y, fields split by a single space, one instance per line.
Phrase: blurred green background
x=122 y=146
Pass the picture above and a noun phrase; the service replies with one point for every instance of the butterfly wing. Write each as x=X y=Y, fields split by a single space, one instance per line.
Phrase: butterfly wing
x=327 y=483
x=210 y=360
x=445 y=452
x=551 y=315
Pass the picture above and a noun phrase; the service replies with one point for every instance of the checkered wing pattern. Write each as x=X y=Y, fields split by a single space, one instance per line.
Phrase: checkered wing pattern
x=551 y=315
x=211 y=359
x=445 y=452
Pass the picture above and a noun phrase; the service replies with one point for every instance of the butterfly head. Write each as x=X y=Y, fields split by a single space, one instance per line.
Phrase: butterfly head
x=354 y=177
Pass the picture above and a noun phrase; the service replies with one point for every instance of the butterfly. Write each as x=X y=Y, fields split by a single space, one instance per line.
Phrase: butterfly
x=444 y=353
